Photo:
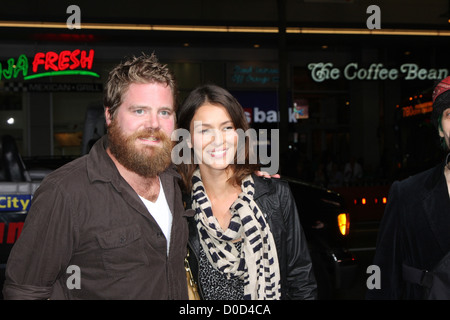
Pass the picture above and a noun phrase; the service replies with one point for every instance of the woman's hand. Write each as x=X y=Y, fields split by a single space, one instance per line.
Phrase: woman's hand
x=266 y=175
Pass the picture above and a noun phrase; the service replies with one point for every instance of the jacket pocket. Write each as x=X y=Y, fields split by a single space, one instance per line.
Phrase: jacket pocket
x=122 y=250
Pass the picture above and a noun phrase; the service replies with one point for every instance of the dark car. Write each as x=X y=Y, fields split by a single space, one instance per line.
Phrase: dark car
x=326 y=224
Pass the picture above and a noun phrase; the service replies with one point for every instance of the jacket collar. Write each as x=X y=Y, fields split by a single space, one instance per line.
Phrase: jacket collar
x=436 y=177
x=100 y=166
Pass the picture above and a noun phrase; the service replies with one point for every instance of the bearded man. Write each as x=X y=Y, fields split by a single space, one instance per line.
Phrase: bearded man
x=111 y=224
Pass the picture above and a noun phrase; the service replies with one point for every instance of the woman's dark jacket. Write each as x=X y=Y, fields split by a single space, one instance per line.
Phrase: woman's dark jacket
x=414 y=231
x=275 y=200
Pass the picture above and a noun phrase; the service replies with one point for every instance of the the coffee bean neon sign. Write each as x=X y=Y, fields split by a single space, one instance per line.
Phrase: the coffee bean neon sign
x=46 y=64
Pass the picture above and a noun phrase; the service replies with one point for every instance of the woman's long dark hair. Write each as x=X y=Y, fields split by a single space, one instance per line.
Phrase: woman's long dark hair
x=214 y=95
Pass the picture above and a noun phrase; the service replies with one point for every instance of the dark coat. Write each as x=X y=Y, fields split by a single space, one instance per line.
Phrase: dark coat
x=415 y=230
x=275 y=200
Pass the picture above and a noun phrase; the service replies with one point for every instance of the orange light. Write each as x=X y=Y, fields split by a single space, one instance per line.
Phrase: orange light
x=363 y=200
x=343 y=223
x=384 y=200
x=376 y=200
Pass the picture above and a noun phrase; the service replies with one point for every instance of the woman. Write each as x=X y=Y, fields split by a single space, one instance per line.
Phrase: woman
x=245 y=239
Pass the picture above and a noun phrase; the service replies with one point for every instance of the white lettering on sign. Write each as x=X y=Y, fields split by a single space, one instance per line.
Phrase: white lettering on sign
x=270 y=116
x=321 y=71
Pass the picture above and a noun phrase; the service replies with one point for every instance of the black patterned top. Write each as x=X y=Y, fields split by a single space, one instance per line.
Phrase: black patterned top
x=214 y=284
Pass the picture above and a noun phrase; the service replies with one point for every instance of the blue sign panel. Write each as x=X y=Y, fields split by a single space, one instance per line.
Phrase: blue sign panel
x=15 y=202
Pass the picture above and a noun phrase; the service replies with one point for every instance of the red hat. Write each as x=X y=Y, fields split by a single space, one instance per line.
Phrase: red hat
x=443 y=86
x=441 y=91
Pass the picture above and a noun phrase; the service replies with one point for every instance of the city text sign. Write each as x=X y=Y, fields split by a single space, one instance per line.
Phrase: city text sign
x=321 y=71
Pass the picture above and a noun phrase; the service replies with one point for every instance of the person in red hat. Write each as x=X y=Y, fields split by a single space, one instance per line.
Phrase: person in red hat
x=413 y=242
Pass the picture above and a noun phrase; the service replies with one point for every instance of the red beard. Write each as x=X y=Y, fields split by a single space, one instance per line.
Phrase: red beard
x=146 y=161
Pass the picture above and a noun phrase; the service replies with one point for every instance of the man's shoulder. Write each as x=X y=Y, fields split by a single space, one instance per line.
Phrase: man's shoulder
x=68 y=172
x=419 y=181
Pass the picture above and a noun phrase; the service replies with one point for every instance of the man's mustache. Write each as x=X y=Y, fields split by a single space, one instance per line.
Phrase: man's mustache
x=158 y=134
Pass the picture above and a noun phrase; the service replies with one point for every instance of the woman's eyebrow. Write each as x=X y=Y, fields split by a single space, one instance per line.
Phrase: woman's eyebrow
x=206 y=124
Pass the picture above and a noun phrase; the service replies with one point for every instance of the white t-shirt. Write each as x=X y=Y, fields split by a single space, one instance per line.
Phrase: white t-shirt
x=160 y=211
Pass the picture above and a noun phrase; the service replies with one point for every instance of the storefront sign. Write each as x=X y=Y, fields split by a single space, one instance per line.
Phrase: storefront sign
x=252 y=75
x=421 y=108
x=15 y=202
x=46 y=64
x=321 y=71
x=52 y=87
x=262 y=106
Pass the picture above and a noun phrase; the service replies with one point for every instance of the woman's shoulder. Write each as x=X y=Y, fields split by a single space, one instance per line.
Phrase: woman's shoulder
x=270 y=185
x=269 y=181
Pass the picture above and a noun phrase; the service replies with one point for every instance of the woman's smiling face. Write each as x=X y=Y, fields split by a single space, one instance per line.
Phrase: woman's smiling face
x=214 y=138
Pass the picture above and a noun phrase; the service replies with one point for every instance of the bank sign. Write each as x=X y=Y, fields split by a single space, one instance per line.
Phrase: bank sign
x=321 y=71
x=262 y=106
x=46 y=64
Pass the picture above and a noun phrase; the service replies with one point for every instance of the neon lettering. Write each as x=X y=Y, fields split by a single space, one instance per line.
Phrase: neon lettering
x=50 y=59
x=7 y=73
x=86 y=61
x=52 y=63
x=38 y=59
x=376 y=71
x=74 y=59
x=13 y=69
x=22 y=65
x=64 y=60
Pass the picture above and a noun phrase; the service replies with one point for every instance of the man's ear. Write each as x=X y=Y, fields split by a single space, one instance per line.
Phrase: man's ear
x=108 y=116
x=188 y=142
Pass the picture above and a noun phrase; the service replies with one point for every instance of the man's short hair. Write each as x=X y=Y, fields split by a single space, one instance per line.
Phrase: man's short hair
x=142 y=69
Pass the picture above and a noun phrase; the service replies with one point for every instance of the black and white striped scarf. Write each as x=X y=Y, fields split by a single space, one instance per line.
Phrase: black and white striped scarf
x=257 y=262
